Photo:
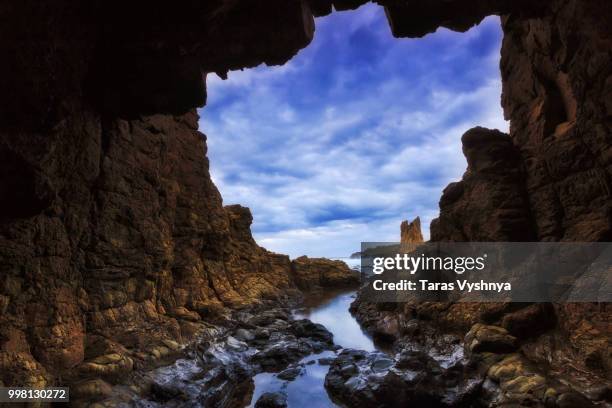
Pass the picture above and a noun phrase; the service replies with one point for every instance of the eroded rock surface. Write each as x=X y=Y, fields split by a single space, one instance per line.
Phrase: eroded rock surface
x=490 y=203
x=410 y=232
x=114 y=243
x=318 y=273
x=548 y=180
x=217 y=370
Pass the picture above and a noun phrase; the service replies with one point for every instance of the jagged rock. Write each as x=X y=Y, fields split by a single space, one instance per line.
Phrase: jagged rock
x=306 y=328
x=413 y=19
x=283 y=341
x=410 y=234
x=167 y=392
x=245 y=335
x=317 y=273
x=272 y=400
x=466 y=214
x=361 y=379
x=290 y=373
x=280 y=354
x=325 y=361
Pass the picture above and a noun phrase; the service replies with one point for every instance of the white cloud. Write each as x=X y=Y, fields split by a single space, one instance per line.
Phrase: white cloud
x=326 y=164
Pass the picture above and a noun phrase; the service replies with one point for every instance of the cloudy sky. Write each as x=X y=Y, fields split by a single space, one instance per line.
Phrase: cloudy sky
x=356 y=133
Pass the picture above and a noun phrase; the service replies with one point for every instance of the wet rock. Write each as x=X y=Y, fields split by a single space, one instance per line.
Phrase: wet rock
x=281 y=340
x=166 y=392
x=290 y=373
x=269 y=317
x=219 y=374
x=245 y=335
x=362 y=379
x=280 y=355
x=233 y=344
x=272 y=400
x=482 y=338
x=326 y=361
x=315 y=331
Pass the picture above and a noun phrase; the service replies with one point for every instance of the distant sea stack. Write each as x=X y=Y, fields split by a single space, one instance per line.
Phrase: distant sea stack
x=411 y=232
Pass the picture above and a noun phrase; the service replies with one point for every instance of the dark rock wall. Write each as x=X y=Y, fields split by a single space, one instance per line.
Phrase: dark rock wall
x=551 y=178
x=557 y=95
x=490 y=203
x=135 y=247
x=548 y=180
x=557 y=85
x=114 y=243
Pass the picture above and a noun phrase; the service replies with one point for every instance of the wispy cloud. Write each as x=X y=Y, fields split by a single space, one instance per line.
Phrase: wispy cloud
x=356 y=133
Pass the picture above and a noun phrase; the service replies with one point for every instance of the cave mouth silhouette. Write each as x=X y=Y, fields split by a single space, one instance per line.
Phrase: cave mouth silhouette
x=369 y=79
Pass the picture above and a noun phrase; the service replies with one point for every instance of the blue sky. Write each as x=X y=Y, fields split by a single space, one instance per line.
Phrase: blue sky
x=356 y=133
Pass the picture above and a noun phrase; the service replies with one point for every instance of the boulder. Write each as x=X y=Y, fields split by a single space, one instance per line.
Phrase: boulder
x=493 y=339
x=272 y=400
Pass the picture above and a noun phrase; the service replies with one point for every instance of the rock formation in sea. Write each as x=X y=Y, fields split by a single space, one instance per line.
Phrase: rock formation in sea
x=319 y=273
x=410 y=234
x=115 y=245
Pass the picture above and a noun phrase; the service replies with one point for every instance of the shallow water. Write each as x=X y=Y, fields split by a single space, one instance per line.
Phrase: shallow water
x=307 y=390
x=332 y=311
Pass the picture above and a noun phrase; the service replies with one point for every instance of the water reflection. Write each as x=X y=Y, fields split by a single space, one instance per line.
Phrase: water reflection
x=307 y=390
x=330 y=309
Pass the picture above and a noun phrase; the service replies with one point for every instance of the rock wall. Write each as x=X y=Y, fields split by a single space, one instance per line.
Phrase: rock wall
x=113 y=239
x=557 y=85
x=557 y=90
x=551 y=178
x=490 y=203
x=114 y=243
x=548 y=180
x=137 y=250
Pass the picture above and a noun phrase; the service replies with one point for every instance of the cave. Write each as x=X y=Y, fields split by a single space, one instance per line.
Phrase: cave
x=116 y=249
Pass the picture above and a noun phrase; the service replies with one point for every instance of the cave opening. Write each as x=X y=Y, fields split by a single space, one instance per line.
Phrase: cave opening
x=357 y=132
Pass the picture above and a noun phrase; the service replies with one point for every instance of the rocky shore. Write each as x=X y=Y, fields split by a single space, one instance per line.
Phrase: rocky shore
x=445 y=356
x=481 y=354
x=217 y=369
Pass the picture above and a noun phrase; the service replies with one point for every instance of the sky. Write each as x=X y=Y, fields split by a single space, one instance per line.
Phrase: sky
x=356 y=133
